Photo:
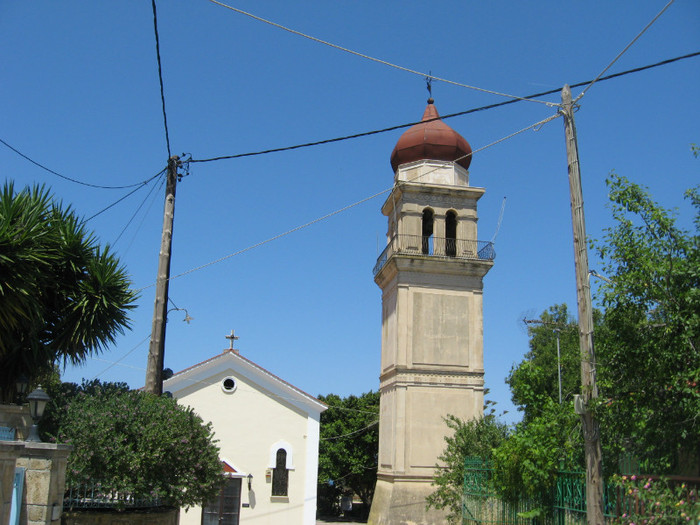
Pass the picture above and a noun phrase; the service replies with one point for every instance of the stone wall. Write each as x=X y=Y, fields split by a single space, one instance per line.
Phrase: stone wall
x=17 y=417
x=44 y=481
x=159 y=516
x=9 y=452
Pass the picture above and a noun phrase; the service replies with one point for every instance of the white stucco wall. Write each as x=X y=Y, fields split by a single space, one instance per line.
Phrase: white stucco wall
x=250 y=424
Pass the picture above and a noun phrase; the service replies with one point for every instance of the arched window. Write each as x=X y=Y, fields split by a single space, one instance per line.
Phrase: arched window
x=280 y=474
x=451 y=234
x=427 y=243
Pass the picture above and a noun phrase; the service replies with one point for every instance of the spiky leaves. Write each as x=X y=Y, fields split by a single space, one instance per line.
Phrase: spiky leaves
x=62 y=296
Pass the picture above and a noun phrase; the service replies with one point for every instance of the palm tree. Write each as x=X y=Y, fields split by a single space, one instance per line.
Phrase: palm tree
x=62 y=296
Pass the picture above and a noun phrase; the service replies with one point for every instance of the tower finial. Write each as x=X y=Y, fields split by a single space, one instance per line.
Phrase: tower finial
x=429 y=85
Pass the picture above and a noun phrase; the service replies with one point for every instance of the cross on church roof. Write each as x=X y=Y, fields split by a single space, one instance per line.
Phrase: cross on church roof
x=231 y=337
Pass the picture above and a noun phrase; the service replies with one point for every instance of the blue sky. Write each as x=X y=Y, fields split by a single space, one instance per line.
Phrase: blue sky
x=79 y=93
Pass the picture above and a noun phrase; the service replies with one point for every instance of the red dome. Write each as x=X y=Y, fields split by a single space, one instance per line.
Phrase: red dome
x=431 y=140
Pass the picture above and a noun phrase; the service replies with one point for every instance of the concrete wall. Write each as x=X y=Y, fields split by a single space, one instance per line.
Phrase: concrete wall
x=151 y=517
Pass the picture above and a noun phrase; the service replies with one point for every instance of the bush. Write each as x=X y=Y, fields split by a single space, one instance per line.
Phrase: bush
x=658 y=502
x=137 y=443
x=476 y=437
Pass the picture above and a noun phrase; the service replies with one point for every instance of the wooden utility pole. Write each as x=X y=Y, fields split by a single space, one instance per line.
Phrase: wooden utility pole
x=591 y=429
x=156 y=350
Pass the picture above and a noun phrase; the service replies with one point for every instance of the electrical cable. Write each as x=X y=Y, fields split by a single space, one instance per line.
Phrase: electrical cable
x=373 y=423
x=160 y=77
x=150 y=192
x=125 y=196
x=361 y=55
x=143 y=219
x=118 y=361
x=345 y=208
x=623 y=51
x=443 y=117
x=68 y=178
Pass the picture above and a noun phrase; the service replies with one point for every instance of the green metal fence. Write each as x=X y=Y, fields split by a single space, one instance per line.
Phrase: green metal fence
x=481 y=505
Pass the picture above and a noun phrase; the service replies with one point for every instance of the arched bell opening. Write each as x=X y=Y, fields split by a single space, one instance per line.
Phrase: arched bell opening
x=451 y=233
x=428 y=223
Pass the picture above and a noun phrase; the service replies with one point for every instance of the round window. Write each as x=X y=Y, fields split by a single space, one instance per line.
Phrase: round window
x=229 y=385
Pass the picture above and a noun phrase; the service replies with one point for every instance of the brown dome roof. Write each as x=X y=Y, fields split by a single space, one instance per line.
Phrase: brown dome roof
x=432 y=139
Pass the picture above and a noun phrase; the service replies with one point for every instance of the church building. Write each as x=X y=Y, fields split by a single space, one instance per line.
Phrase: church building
x=268 y=436
x=431 y=276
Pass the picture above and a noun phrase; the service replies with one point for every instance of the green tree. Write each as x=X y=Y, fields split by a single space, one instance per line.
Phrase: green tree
x=476 y=437
x=137 y=443
x=348 y=448
x=535 y=379
x=649 y=368
x=62 y=296
x=526 y=464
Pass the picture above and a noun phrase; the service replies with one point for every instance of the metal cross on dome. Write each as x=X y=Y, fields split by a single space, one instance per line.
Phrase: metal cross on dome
x=231 y=337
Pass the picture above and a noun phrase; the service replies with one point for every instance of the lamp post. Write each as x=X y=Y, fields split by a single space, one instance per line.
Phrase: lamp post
x=21 y=386
x=37 y=403
x=556 y=331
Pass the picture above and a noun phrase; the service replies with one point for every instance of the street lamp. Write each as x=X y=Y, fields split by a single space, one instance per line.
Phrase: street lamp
x=556 y=331
x=37 y=403
x=21 y=386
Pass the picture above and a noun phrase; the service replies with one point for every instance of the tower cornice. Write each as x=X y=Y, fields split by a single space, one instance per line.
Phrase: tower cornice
x=431 y=194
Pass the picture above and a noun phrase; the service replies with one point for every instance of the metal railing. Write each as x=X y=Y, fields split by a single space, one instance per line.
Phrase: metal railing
x=94 y=495
x=430 y=246
x=481 y=504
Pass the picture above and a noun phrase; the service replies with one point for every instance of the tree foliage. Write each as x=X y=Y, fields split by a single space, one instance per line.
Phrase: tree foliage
x=647 y=362
x=348 y=448
x=62 y=296
x=137 y=443
x=650 y=367
x=526 y=464
x=476 y=437
x=534 y=381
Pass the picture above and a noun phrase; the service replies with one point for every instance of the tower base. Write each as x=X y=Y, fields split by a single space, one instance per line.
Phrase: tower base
x=403 y=502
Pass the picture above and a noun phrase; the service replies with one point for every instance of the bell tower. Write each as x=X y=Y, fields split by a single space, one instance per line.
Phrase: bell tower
x=431 y=276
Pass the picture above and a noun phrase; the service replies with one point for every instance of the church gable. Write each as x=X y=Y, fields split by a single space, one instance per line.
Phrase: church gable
x=228 y=370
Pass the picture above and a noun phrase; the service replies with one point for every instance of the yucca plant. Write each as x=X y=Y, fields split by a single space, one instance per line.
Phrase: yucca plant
x=62 y=296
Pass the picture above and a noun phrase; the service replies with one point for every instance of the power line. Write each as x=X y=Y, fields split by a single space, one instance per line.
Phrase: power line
x=143 y=219
x=451 y=115
x=345 y=208
x=125 y=196
x=69 y=178
x=624 y=50
x=361 y=55
x=160 y=77
x=373 y=423
x=133 y=216
x=118 y=361
x=367 y=133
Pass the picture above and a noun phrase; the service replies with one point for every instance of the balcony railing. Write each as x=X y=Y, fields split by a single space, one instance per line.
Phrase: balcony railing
x=420 y=245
